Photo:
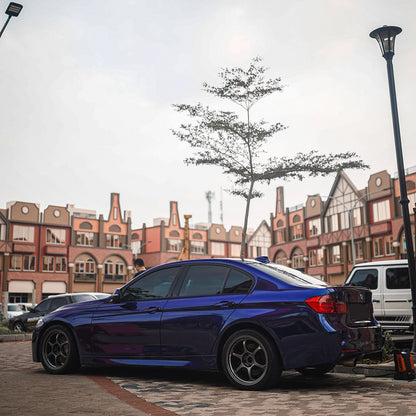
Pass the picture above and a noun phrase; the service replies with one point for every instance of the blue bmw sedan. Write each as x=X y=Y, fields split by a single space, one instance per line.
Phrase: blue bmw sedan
x=250 y=319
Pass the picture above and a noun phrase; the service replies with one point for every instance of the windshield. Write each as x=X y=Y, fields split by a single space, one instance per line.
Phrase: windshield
x=288 y=275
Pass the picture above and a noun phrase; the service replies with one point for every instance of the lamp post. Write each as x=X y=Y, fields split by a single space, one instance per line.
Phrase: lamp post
x=385 y=37
x=12 y=10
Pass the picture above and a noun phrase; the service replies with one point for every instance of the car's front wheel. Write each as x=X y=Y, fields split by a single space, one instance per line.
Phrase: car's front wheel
x=18 y=326
x=250 y=361
x=58 y=351
x=317 y=370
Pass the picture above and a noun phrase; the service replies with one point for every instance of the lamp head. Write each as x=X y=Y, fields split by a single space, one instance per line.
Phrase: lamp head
x=385 y=37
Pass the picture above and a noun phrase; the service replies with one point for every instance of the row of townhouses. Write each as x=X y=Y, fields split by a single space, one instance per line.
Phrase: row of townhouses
x=65 y=249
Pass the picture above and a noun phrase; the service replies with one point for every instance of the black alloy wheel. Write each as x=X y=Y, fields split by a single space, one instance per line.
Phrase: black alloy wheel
x=58 y=351
x=18 y=326
x=250 y=361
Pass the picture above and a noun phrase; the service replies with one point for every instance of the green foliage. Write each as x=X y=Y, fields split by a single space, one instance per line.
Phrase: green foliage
x=223 y=139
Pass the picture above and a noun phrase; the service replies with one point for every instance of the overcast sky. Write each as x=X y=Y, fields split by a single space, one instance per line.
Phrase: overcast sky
x=87 y=88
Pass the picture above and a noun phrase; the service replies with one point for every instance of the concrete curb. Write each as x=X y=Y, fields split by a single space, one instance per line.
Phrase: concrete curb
x=368 y=370
x=15 y=337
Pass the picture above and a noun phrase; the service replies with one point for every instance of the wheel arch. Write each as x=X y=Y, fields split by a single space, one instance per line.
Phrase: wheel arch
x=238 y=327
x=53 y=323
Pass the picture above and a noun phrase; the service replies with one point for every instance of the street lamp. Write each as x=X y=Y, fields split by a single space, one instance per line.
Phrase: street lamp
x=386 y=36
x=12 y=10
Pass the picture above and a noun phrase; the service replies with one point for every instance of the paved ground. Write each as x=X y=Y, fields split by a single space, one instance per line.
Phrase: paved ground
x=25 y=388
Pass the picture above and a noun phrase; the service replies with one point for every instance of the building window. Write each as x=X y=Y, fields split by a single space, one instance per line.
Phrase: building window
x=235 y=250
x=113 y=241
x=333 y=221
x=55 y=236
x=115 y=213
x=29 y=263
x=85 y=238
x=197 y=247
x=218 y=249
x=23 y=233
x=297 y=261
x=356 y=214
x=335 y=254
x=85 y=270
x=316 y=257
x=15 y=262
x=359 y=250
x=297 y=231
x=174 y=245
x=61 y=264
x=381 y=211
x=113 y=271
x=48 y=262
x=280 y=236
x=388 y=245
x=314 y=227
x=378 y=247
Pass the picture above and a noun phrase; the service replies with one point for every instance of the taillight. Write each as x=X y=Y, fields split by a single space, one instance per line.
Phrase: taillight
x=325 y=304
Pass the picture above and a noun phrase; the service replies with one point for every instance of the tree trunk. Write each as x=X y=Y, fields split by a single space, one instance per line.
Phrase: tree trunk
x=244 y=234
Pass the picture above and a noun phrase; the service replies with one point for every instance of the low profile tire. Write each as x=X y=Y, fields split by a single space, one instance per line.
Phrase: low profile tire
x=18 y=326
x=317 y=370
x=58 y=351
x=250 y=361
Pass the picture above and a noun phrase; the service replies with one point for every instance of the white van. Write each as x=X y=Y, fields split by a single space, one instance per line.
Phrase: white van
x=392 y=299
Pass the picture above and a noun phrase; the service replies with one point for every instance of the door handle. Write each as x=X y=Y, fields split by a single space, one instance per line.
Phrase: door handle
x=153 y=309
x=396 y=300
x=224 y=304
x=376 y=301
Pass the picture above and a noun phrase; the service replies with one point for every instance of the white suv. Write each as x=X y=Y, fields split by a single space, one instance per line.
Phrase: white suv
x=390 y=285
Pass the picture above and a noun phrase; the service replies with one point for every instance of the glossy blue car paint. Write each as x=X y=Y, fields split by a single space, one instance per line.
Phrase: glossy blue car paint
x=191 y=331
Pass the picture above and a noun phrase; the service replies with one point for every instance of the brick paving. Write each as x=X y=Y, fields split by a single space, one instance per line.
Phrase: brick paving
x=25 y=388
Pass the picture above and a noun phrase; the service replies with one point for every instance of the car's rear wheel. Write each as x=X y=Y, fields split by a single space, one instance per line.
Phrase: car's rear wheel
x=18 y=326
x=58 y=351
x=317 y=370
x=250 y=361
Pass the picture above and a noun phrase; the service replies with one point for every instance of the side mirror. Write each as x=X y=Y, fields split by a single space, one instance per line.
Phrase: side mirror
x=115 y=298
x=32 y=310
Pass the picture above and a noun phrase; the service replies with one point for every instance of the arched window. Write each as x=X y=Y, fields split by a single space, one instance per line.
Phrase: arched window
x=85 y=269
x=197 y=236
x=85 y=226
x=174 y=234
x=115 y=229
x=296 y=218
x=279 y=223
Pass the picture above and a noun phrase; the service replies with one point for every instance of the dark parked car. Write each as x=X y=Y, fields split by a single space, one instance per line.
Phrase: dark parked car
x=27 y=321
x=250 y=319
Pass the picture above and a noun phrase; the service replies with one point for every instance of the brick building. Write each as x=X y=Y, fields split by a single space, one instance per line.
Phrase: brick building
x=62 y=250
x=327 y=235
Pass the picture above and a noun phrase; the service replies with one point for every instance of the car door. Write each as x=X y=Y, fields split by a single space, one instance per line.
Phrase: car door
x=206 y=297
x=397 y=296
x=130 y=327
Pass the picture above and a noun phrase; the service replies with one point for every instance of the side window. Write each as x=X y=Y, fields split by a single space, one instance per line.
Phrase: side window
x=57 y=303
x=398 y=278
x=44 y=306
x=155 y=285
x=82 y=298
x=367 y=278
x=237 y=283
x=204 y=280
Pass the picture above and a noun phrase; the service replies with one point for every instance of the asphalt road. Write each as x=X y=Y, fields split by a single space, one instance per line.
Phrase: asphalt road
x=25 y=388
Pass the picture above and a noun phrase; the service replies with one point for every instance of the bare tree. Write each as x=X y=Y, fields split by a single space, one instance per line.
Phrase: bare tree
x=221 y=138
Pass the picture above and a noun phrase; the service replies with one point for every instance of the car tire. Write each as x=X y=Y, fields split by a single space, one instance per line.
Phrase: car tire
x=250 y=361
x=317 y=370
x=58 y=350
x=18 y=326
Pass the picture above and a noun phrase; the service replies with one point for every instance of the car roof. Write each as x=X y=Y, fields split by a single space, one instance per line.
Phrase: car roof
x=382 y=263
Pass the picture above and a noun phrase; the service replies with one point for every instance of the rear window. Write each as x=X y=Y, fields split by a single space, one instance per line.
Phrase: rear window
x=365 y=278
x=287 y=275
x=397 y=278
x=82 y=298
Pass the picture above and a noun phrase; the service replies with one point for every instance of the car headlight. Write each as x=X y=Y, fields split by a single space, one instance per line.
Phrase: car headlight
x=39 y=323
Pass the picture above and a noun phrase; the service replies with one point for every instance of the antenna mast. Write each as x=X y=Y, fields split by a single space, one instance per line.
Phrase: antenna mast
x=209 y=196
